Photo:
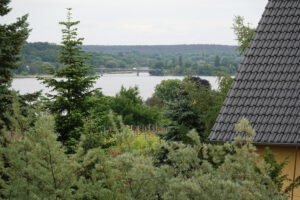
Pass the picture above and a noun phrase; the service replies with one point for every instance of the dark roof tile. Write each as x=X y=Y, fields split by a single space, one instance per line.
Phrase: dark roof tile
x=266 y=89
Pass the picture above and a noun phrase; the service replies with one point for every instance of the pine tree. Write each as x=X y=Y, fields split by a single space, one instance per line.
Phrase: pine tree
x=12 y=38
x=35 y=164
x=71 y=84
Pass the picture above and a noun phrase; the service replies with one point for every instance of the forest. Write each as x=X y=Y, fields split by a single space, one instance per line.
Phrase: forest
x=163 y=59
x=77 y=143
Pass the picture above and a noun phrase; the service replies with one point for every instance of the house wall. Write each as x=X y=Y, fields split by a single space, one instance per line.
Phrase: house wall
x=282 y=152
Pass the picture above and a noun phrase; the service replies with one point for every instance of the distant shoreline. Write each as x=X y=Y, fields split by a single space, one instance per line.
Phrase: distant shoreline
x=50 y=76
x=32 y=76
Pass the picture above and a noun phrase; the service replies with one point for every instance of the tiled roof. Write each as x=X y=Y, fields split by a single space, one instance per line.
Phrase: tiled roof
x=266 y=89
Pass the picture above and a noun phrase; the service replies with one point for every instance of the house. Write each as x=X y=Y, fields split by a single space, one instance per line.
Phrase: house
x=266 y=89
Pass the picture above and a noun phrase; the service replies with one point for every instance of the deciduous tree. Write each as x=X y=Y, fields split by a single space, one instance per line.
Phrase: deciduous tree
x=243 y=33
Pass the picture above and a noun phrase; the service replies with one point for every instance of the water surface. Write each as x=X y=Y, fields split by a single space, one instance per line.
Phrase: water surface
x=111 y=83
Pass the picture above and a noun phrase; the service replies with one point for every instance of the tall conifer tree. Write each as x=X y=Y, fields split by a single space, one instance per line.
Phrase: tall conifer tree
x=71 y=84
x=12 y=38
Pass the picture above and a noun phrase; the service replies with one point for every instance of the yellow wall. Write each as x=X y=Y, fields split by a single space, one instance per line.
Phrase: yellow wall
x=281 y=152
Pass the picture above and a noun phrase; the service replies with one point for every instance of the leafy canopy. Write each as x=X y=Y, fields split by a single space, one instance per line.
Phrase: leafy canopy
x=243 y=33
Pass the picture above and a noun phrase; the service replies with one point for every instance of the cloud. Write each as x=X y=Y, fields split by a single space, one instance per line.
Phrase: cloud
x=139 y=21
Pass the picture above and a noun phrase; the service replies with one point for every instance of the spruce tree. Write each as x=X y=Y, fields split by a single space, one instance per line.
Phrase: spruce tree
x=182 y=110
x=12 y=38
x=71 y=85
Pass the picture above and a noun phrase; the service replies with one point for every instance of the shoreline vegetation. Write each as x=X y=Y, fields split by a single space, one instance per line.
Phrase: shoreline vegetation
x=177 y=60
x=50 y=76
x=32 y=76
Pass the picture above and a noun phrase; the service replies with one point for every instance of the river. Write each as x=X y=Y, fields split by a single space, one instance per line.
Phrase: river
x=111 y=83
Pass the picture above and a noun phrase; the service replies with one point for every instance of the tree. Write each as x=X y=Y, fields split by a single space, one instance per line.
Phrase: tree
x=158 y=69
x=192 y=173
x=180 y=62
x=35 y=164
x=129 y=105
x=71 y=84
x=217 y=61
x=182 y=113
x=195 y=106
x=167 y=90
x=12 y=38
x=37 y=168
x=243 y=33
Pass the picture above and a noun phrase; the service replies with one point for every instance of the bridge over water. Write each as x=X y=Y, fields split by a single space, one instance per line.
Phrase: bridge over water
x=101 y=71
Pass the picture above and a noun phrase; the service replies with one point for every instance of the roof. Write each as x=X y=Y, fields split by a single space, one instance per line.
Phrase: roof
x=266 y=89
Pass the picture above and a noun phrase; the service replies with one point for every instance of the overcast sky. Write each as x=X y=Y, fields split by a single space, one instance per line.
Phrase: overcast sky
x=138 y=22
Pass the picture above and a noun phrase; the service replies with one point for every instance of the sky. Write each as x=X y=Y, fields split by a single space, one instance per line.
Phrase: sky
x=138 y=22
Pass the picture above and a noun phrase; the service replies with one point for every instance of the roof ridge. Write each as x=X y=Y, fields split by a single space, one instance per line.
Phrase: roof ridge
x=284 y=0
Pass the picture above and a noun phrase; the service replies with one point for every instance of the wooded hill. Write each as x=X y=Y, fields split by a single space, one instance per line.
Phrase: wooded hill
x=166 y=59
x=164 y=49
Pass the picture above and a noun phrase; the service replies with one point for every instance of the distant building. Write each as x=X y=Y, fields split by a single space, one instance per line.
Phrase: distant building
x=266 y=89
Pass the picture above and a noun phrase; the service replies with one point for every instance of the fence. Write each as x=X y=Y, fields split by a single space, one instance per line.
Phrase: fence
x=151 y=128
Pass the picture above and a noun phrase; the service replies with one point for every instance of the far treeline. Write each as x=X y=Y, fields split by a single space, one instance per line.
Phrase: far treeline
x=163 y=59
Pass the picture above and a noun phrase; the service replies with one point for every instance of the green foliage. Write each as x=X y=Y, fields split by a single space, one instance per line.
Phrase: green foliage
x=194 y=106
x=146 y=142
x=127 y=140
x=129 y=105
x=157 y=50
x=95 y=131
x=96 y=180
x=235 y=178
x=275 y=169
x=12 y=38
x=244 y=127
x=36 y=55
x=132 y=94
x=111 y=161
x=132 y=175
x=101 y=126
x=71 y=84
x=158 y=69
x=35 y=164
x=167 y=90
x=225 y=81
x=21 y=116
x=217 y=61
x=243 y=33
x=198 y=64
x=182 y=119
